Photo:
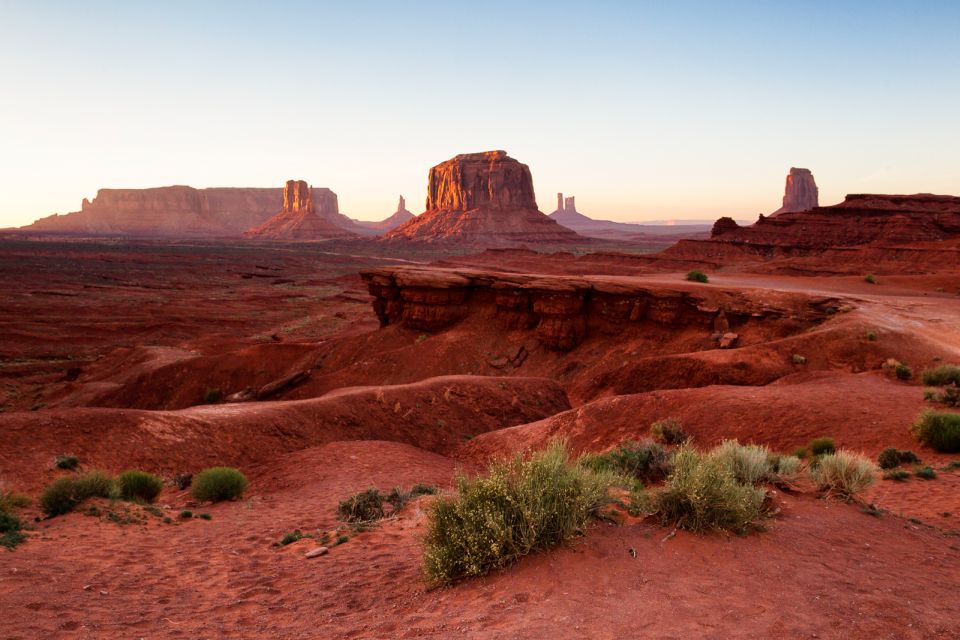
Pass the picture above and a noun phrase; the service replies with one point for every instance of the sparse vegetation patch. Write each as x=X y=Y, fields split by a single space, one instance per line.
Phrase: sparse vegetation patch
x=669 y=431
x=64 y=494
x=218 y=483
x=697 y=276
x=843 y=473
x=940 y=431
x=518 y=507
x=139 y=486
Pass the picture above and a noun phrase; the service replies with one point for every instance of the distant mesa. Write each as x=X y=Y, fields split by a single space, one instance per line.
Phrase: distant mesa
x=302 y=217
x=181 y=211
x=800 y=192
x=567 y=215
x=400 y=216
x=873 y=220
x=483 y=199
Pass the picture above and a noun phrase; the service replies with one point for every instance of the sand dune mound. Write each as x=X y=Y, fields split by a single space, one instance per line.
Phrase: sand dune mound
x=434 y=414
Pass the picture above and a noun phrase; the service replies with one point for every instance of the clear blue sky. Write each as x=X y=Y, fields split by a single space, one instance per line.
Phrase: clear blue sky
x=641 y=109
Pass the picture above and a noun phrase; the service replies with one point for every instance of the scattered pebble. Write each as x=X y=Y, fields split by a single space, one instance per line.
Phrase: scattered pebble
x=313 y=553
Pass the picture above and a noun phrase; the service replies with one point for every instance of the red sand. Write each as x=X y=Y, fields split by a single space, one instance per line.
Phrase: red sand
x=165 y=325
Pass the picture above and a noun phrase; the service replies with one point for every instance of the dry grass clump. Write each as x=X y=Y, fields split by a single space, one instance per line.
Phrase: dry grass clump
x=520 y=506
x=644 y=461
x=139 y=486
x=669 y=431
x=65 y=493
x=941 y=376
x=703 y=493
x=940 y=431
x=843 y=473
x=749 y=463
x=218 y=483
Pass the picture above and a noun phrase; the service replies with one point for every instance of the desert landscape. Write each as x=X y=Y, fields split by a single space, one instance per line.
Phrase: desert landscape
x=242 y=412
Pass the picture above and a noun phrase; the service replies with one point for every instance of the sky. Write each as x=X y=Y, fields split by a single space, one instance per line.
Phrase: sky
x=642 y=110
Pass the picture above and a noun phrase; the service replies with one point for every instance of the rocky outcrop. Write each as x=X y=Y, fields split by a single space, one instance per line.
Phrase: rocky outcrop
x=800 y=192
x=179 y=211
x=563 y=310
x=298 y=219
x=907 y=233
x=722 y=226
x=482 y=199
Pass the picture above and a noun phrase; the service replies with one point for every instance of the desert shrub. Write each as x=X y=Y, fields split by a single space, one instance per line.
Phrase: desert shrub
x=784 y=469
x=218 y=483
x=205 y=516
x=365 y=506
x=798 y=359
x=212 y=396
x=871 y=336
x=749 y=463
x=950 y=466
x=644 y=461
x=64 y=494
x=940 y=431
x=896 y=474
x=870 y=279
x=800 y=452
x=941 y=376
x=950 y=395
x=889 y=458
x=10 y=501
x=902 y=371
x=422 y=490
x=843 y=473
x=66 y=462
x=702 y=493
x=669 y=431
x=927 y=473
x=908 y=457
x=821 y=446
x=290 y=538
x=520 y=506
x=11 y=533
x=186 y=514
x=930 y=395
x=139 y=485
x=697 y=276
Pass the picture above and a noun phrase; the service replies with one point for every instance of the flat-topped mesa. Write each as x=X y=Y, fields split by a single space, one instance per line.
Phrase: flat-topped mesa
x=490 y=180
x=563 y=311
x=800 y=192
x=181 y=211
x=297 y=196
x=482 y=199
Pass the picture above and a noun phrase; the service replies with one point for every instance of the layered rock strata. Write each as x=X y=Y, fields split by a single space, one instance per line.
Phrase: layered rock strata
x=564 y=310
x=484 y=199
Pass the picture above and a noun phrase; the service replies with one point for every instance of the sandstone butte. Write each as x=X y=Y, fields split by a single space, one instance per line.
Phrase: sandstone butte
x=182 y=211
x=483 y=199
x=800 y=192
x=299 y=219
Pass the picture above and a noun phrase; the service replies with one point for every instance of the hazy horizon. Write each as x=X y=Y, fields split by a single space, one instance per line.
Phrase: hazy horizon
x=690 y=111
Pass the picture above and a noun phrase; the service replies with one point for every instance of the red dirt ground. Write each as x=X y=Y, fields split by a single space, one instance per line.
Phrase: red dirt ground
x=149 y=327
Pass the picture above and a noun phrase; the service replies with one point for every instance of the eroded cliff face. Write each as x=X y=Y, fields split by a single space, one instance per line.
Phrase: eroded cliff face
x=563 y=310
x=180 y=211
x=491 y=179
x=482 y=199
x=800 y=192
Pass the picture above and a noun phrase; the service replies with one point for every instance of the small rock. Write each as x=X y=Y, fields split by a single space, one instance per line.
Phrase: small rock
x=728 y=340
x=314 y=553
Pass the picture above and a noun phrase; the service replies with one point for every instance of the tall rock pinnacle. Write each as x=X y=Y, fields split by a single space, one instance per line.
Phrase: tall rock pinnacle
x=800 y=193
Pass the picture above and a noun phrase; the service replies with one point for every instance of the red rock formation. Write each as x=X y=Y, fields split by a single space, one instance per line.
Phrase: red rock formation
x=563 y=310
x=910 y=233
x=722 y=226
x=482 y=199
x=180 y=211
x=297 y=219
x=800 y=192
